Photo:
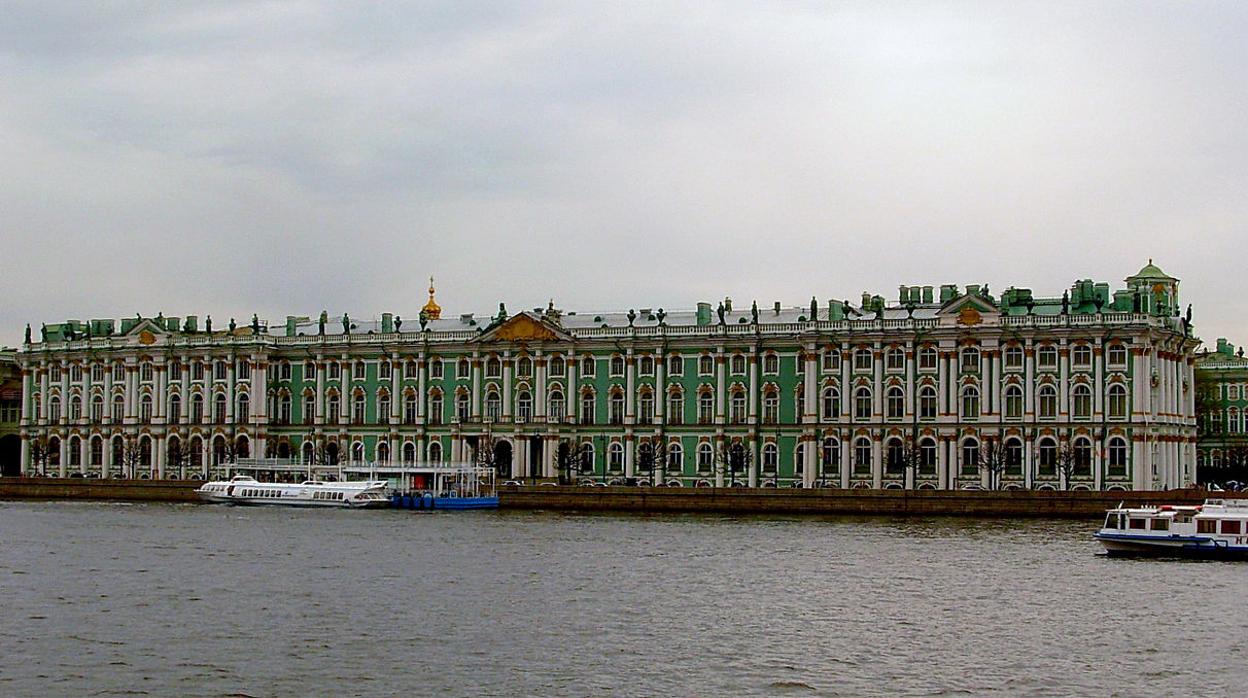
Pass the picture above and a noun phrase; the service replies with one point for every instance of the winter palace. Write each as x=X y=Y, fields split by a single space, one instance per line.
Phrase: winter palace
x=945 y=387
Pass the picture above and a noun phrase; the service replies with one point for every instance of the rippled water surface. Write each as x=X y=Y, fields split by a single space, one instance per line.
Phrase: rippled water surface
x=211 y=600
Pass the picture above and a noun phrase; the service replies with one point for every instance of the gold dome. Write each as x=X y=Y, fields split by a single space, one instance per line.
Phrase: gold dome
x=432 y=310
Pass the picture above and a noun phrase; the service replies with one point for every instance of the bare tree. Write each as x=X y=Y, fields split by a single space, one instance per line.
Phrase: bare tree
x=571 y=455
x=177 y=457
x=131 y=457
x=1067 y=462
x=39 y=454
x=992 y=460
x=661 y=453
x=732 y=458
x=911 y=456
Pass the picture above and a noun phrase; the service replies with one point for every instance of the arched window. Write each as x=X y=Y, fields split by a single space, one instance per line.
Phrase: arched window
x=437 y=408
x=435 y=452
x=894 y=359
x=524 y=367
x=738 y=364
x=334 y=408
x=197 y=408
x=927 y=456
x=524 y=406
x=587 y=457
x=1117 y=457
x=145 y=452
x=896 y=403
x=284 y=408
x=119 y=409
x=1046 y=461
x=1081 y=399
x=309 y=452
x=862 y=403
x=970 y=360
x=771 y=406
x=645 y=457
x=706 y=457
x=145 y=409
x=97 y=408
x=54 y=409
x=309 y=408
x=556 y=407
x=97 y=450
x=383 y=407
x=557 y=367
x=587 y=367
x=1047 y=397
x=831 y=456
x=862 y=455
x=771 y=458
x=970 y=457
x=383 y=452
x=1013 y=402
x=970 y=402
x=675 y=407
x=463 y=369
x=895 y=456
x=218 y=408
x=706 y=407
x=493 y=406
x=244 y=409
x=738 y=407
x=1013 y=457
x=617 y=365
x=927 y=402
x=1013 y=357
x=675 y=457
x=927 y=358
x=1117 y=394
x=645 y=408
x=1081 y=356
x=675 y=365
x=771 y=364
x=1117 y=355
x=75 y=451
x=1046 y=356
x=493 y=367
x=616 y=408
x=706 y=365
x=646 y=365
x=831 y=359
x=1083 y=457
x=409 y=452
x=587 y=407
x=831 y=403
x=862 y=359
x=409 y=408
x=357 y=452
x=615 y=456
x=75 y=408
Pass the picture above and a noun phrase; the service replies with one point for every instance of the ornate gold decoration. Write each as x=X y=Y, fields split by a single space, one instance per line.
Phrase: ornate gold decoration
x=432 y=310
x=524 y=328
x=146 y=337
x=969 y=316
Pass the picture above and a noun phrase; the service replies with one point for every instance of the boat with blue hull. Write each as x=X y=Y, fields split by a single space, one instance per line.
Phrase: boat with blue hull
x=1216 y=529
x=429 y=502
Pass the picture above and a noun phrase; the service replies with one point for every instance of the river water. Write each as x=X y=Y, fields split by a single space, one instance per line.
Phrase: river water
x=108 y=599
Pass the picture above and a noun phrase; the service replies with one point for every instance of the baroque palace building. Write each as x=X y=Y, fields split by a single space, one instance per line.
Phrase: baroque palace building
x=949 y=387
x=1222 y=414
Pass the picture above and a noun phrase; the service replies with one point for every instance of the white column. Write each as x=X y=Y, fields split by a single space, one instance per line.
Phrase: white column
x=877 y=462
x=422 y=382
x=1063 y=382
x=505 y=415
x=630 y=396
x=320 y=390
x=25 y=463
x=660 y=386
x=539 y=395
x=572 y=395
x=398 y=369
x=1029 y=382
x=476 y=386
x=720 y=385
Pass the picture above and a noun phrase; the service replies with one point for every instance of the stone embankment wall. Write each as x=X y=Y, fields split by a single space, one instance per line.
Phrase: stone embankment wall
x=106 y=490
x=1014 y=503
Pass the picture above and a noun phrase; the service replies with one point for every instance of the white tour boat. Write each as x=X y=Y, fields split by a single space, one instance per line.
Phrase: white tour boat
x=1217 y=528
x=242 y=489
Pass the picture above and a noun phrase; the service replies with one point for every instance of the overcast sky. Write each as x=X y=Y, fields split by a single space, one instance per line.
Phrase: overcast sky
x=286 y=157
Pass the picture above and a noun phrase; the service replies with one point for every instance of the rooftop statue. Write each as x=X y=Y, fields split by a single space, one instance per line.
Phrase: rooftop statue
x=814 y=309
x=398 y=323
x=754 y=311
x=346 y=324
x=233 y=326
x=720 y=311
x=208 y=324
x=320 y=329
x=255 y=323
x=28 y=333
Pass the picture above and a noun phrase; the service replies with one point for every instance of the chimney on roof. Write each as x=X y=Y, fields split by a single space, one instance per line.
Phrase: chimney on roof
x=727 y=304
x=776 y=308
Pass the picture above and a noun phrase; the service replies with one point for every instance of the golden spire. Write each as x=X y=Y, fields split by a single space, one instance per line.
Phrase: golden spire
x=431 y=310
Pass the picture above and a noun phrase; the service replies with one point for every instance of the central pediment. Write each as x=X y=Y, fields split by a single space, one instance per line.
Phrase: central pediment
x=524 y=327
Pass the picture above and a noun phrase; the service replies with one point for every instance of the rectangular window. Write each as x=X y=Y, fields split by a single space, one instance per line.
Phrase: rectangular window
x=1231 y=527
x=1206 y=525
x=435 y=368
x=1136 y=524
x=1161 y=524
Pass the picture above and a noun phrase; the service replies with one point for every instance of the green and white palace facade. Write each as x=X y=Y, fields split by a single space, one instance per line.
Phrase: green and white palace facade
x=946 y=388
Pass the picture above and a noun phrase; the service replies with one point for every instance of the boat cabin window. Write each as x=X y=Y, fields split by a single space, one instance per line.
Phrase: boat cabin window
x=1137 y=524
x=1230 y=526
x=1206 y=525
x=1111 y=521
x=1161 y=524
